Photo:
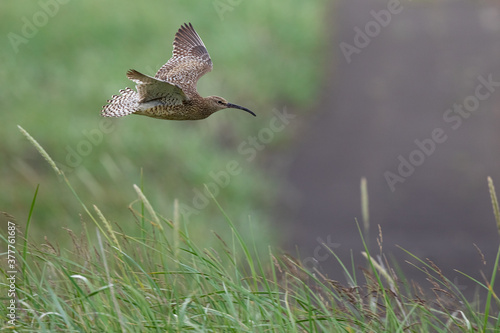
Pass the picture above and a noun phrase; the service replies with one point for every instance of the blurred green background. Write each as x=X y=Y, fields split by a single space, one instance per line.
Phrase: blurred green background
x=61 y=61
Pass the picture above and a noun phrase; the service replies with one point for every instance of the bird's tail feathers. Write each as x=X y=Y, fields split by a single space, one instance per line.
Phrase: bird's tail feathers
x=121 y=105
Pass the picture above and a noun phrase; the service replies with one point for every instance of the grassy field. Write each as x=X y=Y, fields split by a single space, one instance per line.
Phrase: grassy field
x=163 y=281
x=61 y=61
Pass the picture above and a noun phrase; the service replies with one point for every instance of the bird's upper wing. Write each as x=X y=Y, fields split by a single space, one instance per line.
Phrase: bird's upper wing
x=149 y=88
x=190 y=60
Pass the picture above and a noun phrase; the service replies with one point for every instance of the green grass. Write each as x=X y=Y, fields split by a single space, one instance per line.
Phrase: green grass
x=163 y=281
x=266 y=55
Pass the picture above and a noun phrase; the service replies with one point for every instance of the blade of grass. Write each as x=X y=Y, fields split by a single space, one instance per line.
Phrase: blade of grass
x=108 y=227
x=26 y=234
x=143 y=221
x=391 y=316
x=238 y=236
x=494 y=202
x=496 y=212
x=148 y=206
x=40 y=150
x=110 y=282
x=176 y=229
x=490 y=291
x=365 y=212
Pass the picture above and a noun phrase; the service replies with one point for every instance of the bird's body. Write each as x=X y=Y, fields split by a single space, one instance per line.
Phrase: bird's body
x=171 y=94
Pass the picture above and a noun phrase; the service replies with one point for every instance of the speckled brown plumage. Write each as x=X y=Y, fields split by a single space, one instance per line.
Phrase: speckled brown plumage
x=172 y=94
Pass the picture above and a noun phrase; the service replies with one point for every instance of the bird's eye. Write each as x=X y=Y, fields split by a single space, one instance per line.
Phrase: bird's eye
x=220 y=102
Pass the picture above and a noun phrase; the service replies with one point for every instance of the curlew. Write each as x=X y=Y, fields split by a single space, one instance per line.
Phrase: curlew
x=172 y=94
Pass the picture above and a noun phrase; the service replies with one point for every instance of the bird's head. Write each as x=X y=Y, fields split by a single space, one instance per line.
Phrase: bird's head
x=217 y=103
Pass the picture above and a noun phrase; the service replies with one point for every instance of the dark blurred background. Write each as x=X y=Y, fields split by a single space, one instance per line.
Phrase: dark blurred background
x=367 y=86
x=404 y=76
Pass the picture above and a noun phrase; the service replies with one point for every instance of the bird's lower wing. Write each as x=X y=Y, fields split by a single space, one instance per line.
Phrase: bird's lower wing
x=149 y=88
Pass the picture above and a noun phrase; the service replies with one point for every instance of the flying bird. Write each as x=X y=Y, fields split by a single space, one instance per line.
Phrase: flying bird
x=171 y=93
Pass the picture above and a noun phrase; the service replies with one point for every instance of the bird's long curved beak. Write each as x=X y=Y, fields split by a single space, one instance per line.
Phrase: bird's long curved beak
x=234 y=106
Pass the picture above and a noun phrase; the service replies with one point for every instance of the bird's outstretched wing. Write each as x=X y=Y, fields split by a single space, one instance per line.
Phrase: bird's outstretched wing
x=149 y=88
x=190 y=60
